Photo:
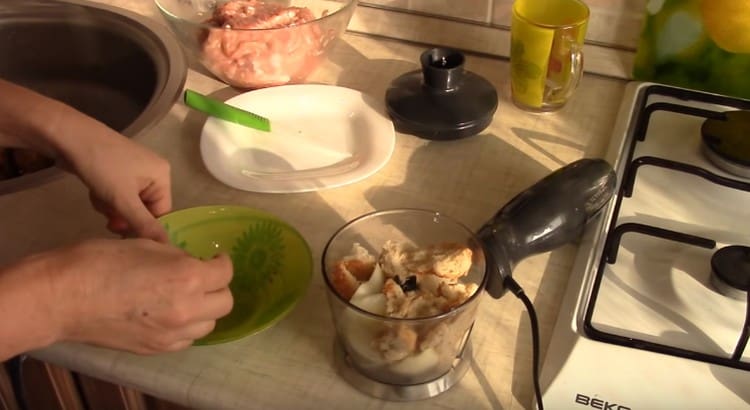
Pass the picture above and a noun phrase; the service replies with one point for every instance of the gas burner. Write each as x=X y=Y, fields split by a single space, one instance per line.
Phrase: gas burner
x=730 y=271
x=726 y=142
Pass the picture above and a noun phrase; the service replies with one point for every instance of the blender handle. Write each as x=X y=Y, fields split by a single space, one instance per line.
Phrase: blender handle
x=549 y=214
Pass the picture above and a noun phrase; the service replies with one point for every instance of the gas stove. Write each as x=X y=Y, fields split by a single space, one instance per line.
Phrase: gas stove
x=656 y=310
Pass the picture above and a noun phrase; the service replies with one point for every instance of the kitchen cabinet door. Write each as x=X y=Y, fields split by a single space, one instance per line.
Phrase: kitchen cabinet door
x=99 y=394
x=7 y=396
x=45 y=386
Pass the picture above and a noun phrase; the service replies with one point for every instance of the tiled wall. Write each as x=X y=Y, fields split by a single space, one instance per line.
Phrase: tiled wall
x=615 y=23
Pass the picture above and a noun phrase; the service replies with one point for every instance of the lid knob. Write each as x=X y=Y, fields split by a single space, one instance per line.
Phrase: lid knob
x=442 y=68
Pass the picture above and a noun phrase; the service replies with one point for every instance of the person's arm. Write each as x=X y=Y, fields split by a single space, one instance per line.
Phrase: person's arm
x=128 y=183
x=137 y=295
x=26 y=117
x=27 y=314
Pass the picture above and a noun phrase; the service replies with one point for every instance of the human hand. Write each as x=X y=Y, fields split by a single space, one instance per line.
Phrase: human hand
x=129 y=184
x=136 y=294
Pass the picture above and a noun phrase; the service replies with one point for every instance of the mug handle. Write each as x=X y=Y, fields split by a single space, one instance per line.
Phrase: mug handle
x=576 y=67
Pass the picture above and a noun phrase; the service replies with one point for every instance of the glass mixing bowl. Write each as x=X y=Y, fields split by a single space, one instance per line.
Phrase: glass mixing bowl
x=381 y=340
x=252 y=44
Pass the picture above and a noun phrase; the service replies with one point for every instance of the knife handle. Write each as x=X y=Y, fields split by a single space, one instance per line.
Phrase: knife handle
x=225 y=111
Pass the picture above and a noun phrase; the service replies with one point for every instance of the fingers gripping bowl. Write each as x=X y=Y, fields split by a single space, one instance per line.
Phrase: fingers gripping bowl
x=403 y=290
x=258 y=43
x=272 y=263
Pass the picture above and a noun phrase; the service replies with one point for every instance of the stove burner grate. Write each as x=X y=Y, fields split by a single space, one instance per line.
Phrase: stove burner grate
x=610 y=256
x=637 y=133
x=629 y=181
x=730 y=274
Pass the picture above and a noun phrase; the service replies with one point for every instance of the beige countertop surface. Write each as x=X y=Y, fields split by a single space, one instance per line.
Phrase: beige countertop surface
x=291 y=366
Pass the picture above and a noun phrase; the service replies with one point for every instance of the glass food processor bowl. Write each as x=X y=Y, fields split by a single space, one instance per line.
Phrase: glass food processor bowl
x=403 y=286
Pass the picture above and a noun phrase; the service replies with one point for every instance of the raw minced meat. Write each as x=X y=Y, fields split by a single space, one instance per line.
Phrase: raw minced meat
x=258 y=44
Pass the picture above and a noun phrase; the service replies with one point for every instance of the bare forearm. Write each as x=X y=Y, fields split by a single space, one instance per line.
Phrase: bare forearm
x=33 y=121
x=27 y=117
x=27 y=319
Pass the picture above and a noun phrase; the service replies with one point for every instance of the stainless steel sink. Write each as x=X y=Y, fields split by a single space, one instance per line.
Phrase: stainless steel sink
x=117 y=66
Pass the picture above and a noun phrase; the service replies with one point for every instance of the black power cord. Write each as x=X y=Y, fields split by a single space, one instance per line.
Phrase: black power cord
x=516 y=289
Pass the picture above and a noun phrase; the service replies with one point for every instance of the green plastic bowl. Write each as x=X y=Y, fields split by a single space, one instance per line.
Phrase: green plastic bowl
x=272 y=263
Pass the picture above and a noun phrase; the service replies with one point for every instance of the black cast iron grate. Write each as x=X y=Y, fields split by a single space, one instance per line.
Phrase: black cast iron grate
x=643 y=112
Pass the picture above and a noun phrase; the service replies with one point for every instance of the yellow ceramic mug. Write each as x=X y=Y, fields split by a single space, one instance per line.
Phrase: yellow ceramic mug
x=546 y=51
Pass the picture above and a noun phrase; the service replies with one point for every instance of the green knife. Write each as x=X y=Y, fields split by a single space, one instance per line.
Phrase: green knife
x=225 y=111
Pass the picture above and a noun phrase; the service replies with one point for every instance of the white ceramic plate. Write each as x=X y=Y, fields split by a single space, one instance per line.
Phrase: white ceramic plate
x=323 y=136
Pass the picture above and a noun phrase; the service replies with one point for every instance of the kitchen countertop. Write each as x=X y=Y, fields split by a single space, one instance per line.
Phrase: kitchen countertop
x=291 y=364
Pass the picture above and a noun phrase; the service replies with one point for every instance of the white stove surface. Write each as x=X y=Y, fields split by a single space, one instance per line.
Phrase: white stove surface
x=657 y=291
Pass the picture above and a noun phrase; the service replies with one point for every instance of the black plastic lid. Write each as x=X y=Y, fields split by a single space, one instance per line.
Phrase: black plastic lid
x=441 y=101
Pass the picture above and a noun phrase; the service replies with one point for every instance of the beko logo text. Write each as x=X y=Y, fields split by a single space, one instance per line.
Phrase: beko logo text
x=598 y=403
